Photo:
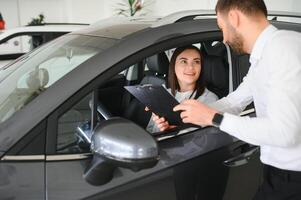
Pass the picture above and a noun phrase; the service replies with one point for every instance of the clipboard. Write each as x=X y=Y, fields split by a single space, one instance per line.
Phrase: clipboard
x=158 y=100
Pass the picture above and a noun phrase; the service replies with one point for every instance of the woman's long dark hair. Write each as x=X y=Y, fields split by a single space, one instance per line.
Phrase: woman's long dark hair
x=173 y=83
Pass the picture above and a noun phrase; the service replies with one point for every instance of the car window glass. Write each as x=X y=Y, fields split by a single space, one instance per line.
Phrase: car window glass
x=70 y=125
x=18 y=44
x=131 y=73
x=24 y=80
x=52 y=35
x=74 y=126
x=135 y=109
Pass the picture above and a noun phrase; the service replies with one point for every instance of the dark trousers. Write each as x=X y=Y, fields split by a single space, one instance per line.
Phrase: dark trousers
x=279 y=184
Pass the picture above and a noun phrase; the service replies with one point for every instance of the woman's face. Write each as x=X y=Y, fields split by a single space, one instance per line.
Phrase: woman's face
x=188 y=69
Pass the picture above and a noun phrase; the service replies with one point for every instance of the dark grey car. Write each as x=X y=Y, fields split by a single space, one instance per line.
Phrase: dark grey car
x=69 y=129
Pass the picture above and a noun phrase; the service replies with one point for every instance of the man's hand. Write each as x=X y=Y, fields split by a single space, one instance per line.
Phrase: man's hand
x=195 y=112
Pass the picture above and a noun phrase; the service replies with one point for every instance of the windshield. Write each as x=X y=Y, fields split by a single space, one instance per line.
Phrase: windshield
x=33 y=73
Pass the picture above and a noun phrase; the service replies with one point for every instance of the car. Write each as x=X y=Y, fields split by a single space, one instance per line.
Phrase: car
x=70 y=130
x=17 y=41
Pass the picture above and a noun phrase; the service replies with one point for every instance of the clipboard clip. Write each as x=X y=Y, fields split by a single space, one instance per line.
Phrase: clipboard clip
x=144 y=86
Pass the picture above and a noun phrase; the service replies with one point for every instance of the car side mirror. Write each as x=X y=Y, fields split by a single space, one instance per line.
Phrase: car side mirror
x=118 y=142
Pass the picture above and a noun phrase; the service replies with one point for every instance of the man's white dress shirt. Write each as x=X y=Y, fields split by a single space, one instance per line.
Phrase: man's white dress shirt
x=274 y=84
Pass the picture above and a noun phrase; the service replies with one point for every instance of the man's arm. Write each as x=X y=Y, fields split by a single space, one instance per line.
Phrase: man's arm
x=282 y=124
x=198 y=113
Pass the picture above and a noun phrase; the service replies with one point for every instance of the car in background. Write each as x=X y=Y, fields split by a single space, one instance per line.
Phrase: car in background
x=2 y=23
x=17 y=41
x=69 y=129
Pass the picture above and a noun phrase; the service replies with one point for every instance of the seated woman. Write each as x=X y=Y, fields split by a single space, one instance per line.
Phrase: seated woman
x=185 y=81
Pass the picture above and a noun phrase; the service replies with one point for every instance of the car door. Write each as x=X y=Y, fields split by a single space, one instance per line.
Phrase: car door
x=69 y=157
x=22 y=169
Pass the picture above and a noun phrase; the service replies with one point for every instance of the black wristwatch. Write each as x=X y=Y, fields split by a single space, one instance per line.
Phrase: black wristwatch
x=217 y=119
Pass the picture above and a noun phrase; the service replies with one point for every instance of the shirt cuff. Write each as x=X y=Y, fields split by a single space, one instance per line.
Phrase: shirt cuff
x=229 y=122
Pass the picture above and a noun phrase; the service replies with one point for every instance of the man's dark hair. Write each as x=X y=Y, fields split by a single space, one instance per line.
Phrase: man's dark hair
x=248 y=7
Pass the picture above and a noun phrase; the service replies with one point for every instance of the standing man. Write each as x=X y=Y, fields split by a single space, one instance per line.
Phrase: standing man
x=273 y=83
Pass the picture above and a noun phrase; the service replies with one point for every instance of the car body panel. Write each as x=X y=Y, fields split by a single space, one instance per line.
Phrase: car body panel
x=15 y=182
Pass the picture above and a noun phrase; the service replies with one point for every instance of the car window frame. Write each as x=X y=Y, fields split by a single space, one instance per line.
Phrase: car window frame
x=29 y=33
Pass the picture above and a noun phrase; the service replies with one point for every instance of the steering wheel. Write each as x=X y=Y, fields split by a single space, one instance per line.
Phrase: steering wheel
x=84 y=132
x=103 y=111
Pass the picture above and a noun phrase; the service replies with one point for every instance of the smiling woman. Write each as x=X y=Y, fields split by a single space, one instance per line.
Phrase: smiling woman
x=185 y=81
x=22 y=81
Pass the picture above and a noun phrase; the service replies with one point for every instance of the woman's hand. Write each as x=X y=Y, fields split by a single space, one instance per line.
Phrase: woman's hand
x=161 y=123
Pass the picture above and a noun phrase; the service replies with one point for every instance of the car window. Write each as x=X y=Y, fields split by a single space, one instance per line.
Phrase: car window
x=214 y=56
x=16 y=45
x=72 y=125
x=52 y=35
x=25 y=79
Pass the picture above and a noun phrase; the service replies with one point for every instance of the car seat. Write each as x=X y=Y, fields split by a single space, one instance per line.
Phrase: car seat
x=158 y=68
x=216 y=74
x=37 y=80
x=37 y=40
x=216 y=67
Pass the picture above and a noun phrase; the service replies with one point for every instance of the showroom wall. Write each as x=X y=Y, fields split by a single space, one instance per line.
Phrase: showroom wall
x=20 y=12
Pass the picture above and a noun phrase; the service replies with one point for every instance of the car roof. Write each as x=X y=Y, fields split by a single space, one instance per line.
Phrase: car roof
x=42 y=28
x=119 y=27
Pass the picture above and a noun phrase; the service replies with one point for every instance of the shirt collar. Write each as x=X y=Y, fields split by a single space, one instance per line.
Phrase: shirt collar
x=260 y=43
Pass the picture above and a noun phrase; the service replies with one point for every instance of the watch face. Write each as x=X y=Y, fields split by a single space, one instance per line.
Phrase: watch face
x=217 y=119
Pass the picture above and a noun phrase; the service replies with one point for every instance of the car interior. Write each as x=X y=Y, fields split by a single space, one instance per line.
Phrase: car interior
x=74 y=127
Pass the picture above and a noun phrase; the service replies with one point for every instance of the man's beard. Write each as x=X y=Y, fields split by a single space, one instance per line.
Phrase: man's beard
x=236 y=42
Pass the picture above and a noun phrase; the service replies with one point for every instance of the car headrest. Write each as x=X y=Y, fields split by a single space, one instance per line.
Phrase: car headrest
x=37 y=40
x=37 y=79
x=158 y=63
x=217 y=48
x=216 y=74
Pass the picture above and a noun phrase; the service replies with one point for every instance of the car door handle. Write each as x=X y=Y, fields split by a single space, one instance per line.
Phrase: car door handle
x=242 y=158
